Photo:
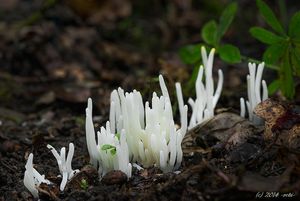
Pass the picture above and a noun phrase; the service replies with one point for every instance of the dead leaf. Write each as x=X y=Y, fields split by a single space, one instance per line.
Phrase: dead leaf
x=48 y=191
x=227 y=128
x=244 y=152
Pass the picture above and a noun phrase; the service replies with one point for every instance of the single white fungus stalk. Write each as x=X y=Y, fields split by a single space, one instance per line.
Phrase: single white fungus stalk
x=64 y=165
x=111 y=150
x=257 y=92
x=151 y=133
x=206 y=98
x=32 y=178
x=90 y=135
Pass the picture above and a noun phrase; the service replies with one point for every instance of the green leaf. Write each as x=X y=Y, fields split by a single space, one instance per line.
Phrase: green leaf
x=269 y=17
x=113 y=151
x=118 y=136
x=226 y=19
x=84 y=184
x=295 y=59
x=209 y=32
x=265 y=36
x=286 y=77
x=274 y=52
x=230 y=53
x=294 y=26
x=107 y=146
x=190 y=54
x=274 y=86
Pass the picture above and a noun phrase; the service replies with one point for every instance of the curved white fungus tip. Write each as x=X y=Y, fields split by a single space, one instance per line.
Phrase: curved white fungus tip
x=32 y=178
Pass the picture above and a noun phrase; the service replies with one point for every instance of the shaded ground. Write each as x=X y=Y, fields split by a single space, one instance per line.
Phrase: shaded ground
x=52 y=59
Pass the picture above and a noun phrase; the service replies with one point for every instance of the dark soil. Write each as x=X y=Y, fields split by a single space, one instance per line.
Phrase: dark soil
x=55 y=55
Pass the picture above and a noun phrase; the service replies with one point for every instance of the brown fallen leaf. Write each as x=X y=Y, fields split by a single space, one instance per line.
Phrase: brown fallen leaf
x=244 y=152
x=227 y=128
x=48 y=192
x=282 y=122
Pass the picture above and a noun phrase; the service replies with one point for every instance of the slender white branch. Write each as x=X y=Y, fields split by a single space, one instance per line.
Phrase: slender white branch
x=257 y=91
x=206 y=96
x=32 y=178
x=64 y=165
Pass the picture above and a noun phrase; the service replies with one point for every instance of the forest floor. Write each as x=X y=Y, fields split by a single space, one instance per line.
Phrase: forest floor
x=53 y=59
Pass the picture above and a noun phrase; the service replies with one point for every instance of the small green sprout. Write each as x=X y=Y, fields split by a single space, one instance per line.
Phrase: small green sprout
x=118 y=136
x=109 y=147
x=84 y=184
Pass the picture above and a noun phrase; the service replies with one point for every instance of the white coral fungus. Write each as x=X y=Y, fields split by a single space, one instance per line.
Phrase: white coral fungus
x=32 y=178
x=257 y=92
x=152 y=136
x=111 y=150
x=206 y=98
x=149 y=131
x=64 y=165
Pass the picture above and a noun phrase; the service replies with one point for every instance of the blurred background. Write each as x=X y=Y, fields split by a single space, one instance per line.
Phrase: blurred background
x=58 y=53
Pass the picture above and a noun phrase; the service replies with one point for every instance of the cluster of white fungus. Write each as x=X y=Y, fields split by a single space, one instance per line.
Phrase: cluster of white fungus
x=111 y=150
x=32 y=178
x=257 y=92
x=150 y=134
x=64 y=164
x=206 y=96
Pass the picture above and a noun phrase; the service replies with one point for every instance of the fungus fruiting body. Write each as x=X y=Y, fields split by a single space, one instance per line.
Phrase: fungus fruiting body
x=64 y=164
x=206 y=96
x=257 y=92
x=32 y=178
x=110 y=152
x=148 y=131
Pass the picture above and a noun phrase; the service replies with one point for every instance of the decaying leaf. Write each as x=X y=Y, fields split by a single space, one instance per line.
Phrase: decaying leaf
x=282 y=122
x=244 y=152
x=48 y=192
x=227 y=128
